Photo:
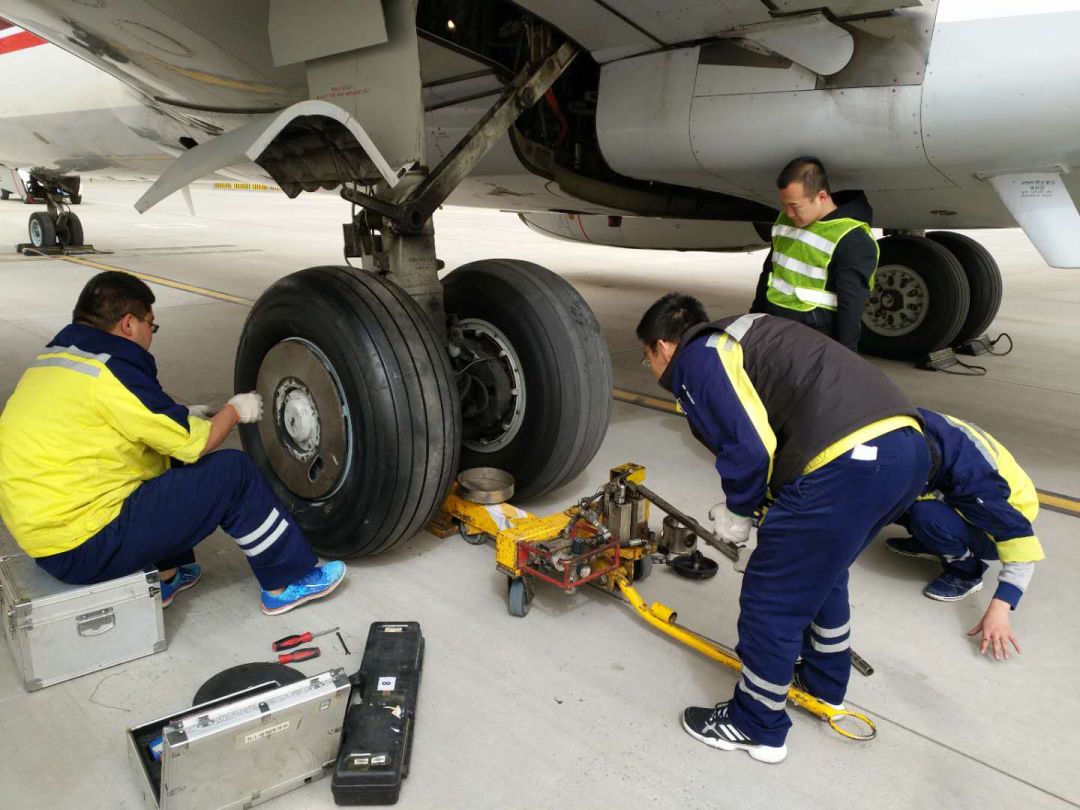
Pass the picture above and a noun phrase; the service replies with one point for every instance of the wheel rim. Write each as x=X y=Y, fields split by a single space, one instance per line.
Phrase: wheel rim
x=37 y=237
x=493 y=339
x=899 y=302
x=306 y=435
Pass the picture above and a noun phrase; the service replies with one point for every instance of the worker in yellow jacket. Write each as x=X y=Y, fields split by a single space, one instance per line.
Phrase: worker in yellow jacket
x=89 y=486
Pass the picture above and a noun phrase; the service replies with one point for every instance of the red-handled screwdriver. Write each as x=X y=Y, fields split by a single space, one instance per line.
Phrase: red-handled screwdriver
x=305 y=654
x=289 y=642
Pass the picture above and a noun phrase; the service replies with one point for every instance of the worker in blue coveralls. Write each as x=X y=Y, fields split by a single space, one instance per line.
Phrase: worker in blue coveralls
x=88 y=487
x=834 y=446
x=978 y=505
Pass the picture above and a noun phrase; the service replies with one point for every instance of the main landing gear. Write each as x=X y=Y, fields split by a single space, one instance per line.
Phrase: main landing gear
x=931 y=293
x=380 y=381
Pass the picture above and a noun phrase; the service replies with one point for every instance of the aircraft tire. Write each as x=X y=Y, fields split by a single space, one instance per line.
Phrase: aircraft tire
x=69 y=230
x=984 y=279
x=5 y=194
x=557 y=353
x=359 y=352
x=42 y=230
x=919 y=301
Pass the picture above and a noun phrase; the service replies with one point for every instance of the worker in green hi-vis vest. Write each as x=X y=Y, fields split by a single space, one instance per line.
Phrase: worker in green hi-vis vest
x=821 y=267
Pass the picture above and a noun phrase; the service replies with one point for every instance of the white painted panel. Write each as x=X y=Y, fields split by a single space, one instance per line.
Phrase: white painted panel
x=301 y=30
x=849 y=8
x=646 y=232
x=728 y=80
x=643 y=115
x=867 y=137
x=811 y=40
x=591 y=25
x=675 y=21
x=1041 y=205
x=1000 y=94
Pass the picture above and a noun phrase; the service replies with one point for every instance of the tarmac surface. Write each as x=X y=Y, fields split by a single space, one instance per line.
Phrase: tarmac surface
x=577 y=704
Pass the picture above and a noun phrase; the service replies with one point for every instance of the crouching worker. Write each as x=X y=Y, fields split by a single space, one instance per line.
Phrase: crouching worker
x=978 y=506
x=86 y=483
x=785 y=408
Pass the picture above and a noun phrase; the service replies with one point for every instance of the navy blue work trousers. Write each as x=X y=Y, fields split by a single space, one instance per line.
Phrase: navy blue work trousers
x=794 y=598
x=961 y=546
x=166 y=517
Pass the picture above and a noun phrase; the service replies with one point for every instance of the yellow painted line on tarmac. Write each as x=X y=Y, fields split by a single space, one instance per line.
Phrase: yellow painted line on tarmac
x=164 y=282
x=1053 y=501
x=645 y=401
x=1057 y=502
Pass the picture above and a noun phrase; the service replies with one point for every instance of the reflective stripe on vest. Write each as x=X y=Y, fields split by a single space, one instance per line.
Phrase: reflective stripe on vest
x=800 y=262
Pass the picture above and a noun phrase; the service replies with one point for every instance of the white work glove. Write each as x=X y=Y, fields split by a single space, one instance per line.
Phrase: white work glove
x=727 y=526
x=735 y=529
x=202 y=411
x=249 y=406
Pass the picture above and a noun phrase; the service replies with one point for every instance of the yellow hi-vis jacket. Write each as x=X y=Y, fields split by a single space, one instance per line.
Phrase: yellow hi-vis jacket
x=87 y=424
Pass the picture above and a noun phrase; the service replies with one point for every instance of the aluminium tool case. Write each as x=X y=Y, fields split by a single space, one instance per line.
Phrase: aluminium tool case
x=376 y=742
x=56 y=631
x=242 y=749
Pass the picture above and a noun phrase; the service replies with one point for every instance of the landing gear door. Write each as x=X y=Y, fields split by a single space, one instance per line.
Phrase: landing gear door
x=261 y=142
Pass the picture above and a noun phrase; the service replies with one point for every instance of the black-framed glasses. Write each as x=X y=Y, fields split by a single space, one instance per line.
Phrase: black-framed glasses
x=153 y=326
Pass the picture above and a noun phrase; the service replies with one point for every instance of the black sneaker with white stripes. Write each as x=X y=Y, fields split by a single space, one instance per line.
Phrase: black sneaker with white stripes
x=714 y=728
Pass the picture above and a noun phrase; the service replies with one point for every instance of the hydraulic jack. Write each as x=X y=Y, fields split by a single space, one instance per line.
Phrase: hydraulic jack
x=603 y=540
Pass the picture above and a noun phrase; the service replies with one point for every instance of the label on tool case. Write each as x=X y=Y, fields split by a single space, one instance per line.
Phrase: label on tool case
x=263 y=733
x=387 y=683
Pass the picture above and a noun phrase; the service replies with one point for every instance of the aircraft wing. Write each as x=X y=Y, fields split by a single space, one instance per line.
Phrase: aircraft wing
x=239 y=56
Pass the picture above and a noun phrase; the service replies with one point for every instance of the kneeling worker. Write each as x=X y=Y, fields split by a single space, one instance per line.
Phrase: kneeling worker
x=978 y=506
x=786 y=409
x=86 y=483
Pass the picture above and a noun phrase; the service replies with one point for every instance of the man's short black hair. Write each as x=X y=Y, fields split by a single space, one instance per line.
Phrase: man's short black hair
x=109 y=296
x=669 y=318
x=807 y=170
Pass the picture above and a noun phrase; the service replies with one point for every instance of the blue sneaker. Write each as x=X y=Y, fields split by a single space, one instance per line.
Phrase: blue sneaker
x=185 y=577
x=950 y=587
x=314 y=585
x=910 y=547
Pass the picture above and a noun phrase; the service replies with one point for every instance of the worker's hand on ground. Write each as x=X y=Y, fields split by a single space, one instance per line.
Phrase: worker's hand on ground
x=996 y=630
x=202 y=411
x=249 y=407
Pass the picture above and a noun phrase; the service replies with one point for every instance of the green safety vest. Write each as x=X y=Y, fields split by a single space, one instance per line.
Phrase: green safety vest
x=800 y=262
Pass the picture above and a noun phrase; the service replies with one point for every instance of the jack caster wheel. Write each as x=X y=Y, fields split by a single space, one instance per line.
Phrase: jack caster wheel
x=643 y=567
x=477 y=539
x=519 y=596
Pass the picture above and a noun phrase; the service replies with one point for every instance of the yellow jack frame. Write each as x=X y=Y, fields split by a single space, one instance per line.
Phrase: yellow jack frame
x=510 y=527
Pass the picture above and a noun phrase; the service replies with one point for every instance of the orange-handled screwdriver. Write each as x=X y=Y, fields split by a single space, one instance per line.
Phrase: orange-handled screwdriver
x=300 y=655
x=289 y=642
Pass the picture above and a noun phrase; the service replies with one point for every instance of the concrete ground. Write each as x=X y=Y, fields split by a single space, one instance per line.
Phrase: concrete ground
x=578 y=703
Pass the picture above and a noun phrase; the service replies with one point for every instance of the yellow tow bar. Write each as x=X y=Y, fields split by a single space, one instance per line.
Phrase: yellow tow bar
x=663 y=619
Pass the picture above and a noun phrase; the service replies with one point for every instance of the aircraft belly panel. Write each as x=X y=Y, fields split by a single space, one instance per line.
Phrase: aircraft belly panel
x=868 y=137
